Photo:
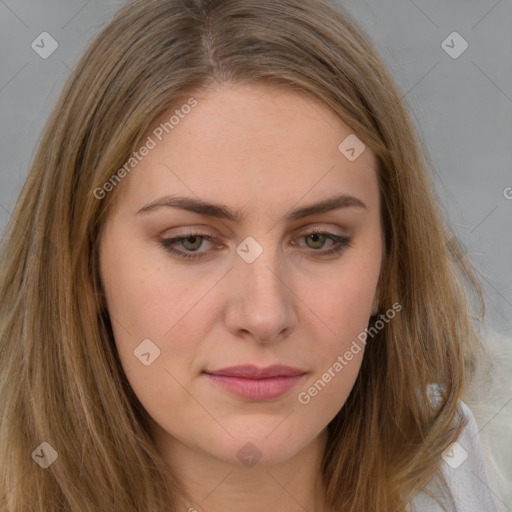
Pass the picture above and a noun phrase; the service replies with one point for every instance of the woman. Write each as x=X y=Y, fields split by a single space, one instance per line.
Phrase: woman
x=144 y=369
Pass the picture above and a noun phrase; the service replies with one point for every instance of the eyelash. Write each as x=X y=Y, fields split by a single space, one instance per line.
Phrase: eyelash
x=342 y=242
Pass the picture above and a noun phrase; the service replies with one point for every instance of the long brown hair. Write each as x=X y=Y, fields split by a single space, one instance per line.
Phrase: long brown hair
x=61 y=380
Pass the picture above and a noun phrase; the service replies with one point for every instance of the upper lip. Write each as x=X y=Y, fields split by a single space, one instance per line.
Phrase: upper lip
x=253 y=372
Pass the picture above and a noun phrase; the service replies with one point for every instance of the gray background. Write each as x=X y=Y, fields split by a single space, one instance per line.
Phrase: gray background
x=462 y=106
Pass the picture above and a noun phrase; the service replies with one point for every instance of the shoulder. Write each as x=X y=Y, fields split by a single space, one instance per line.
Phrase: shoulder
x=465 y=473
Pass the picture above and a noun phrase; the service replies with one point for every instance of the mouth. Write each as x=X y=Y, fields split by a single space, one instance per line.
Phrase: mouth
x=255 y=383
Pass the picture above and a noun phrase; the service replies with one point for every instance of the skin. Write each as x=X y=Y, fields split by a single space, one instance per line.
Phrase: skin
x=263 y=151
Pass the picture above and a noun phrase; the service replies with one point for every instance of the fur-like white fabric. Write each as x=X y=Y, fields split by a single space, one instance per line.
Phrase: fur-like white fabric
x=463 y=469
x=489 y=397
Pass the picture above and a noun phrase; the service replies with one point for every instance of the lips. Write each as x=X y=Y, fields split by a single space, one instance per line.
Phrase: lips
x=253 y=383
x=253 y=372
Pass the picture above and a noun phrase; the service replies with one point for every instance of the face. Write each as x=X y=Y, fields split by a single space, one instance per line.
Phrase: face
x=261 y=281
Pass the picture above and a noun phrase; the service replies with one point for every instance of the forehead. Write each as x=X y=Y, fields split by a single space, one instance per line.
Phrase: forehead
x=252 y=143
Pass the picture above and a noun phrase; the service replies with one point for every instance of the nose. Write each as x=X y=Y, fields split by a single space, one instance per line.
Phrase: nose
x=261 y=301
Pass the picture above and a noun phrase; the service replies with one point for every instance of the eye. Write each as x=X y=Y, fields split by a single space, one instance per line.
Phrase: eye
x=191 y=243
x=318 y=238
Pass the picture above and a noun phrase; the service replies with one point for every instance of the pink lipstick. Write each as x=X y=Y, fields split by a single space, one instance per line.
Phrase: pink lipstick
x=255 y=383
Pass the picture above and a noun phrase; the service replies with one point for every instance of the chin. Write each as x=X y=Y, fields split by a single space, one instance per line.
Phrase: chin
x=262 y=445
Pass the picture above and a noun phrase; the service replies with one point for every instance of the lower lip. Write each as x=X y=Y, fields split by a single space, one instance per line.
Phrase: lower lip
x=256 y=389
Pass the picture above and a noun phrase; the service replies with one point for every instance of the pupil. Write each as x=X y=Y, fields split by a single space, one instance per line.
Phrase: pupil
x=191 y=239
x=316 y=237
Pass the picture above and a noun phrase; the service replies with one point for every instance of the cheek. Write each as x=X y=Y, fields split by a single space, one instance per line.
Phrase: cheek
x=341 y=308
x=344 y=308
x=148 y=302
x=327 y=391
x=142 y=298
x=144 y=305
x=343 y=302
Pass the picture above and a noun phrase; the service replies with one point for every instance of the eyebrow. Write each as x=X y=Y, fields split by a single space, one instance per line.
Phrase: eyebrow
x=220 y=211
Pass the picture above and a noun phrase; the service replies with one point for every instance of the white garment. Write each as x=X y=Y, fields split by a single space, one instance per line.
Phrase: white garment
x=465 y=473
